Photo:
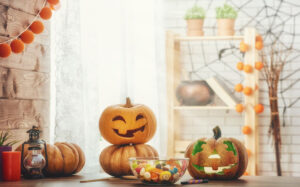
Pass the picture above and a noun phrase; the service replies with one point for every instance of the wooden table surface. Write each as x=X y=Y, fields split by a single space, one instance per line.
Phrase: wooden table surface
x=74 y=181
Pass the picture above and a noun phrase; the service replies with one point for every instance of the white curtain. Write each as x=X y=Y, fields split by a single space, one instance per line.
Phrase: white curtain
x=104 y=51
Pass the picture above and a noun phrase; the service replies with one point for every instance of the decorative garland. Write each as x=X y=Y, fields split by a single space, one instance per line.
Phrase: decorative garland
x=17 y=44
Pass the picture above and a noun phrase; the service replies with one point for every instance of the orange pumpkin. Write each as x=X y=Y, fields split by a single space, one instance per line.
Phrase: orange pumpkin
x=125 y=124
x=216 y=158
x=114 y=159
x=63 y=159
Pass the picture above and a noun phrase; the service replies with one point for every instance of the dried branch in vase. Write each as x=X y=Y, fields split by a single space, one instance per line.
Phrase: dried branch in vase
x=274 y=59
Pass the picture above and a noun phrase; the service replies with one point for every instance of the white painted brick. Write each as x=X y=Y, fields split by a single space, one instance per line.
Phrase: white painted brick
x=267 y=166
x=296 y=139
x=296 y=174
x=296 y=158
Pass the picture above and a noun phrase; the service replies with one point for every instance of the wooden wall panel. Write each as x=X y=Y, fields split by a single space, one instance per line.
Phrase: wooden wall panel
x=20 y=84
x=36 y=57
x=27 y=6
x=23 y=114
x=25 y=77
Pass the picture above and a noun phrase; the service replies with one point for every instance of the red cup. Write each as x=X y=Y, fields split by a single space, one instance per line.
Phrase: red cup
x=11 y=165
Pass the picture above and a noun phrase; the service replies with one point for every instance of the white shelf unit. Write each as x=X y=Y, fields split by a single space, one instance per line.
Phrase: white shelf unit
x=176 y=147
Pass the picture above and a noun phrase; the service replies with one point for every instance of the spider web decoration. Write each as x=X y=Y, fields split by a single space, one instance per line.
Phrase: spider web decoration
x=275 y=21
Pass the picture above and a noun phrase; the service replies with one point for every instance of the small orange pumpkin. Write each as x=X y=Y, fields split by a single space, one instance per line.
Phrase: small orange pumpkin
x=64 y=159
x=114 y=158
x=125 y=124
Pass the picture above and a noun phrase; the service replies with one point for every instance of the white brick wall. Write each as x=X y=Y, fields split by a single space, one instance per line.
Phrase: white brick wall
x=195 y=124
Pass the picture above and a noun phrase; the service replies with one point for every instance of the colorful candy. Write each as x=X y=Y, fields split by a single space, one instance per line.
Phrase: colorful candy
x=159 y=171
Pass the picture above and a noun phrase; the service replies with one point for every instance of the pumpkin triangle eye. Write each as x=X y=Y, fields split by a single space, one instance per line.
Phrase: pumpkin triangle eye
x=140 y=116
x=119 y=118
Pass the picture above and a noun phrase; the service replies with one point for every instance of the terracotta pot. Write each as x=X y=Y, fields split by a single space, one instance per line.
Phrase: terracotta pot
x=3 y=148
x=194 y=93
x=195 y=27
x=225 y=27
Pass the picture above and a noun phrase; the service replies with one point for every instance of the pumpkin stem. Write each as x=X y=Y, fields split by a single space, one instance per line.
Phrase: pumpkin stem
x=128 y=103
x=217 y=132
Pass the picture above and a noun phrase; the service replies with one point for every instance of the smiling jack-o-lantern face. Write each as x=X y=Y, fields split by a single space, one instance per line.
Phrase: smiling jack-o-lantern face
x=125 y=124
x=217 y=158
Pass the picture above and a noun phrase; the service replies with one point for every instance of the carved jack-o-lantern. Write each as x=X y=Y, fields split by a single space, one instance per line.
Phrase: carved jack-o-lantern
x=125 y=124
x=217 y=158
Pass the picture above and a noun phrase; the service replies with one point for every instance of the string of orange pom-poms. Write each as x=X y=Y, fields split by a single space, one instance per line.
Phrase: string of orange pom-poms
x=17 y=44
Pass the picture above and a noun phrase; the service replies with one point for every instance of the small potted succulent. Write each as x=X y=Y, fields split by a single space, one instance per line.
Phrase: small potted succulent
x=195 y=18
x=6 y=144
x=226 y=16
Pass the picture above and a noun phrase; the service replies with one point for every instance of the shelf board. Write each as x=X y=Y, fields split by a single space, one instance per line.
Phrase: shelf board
x=203 y=108
x=199 y=38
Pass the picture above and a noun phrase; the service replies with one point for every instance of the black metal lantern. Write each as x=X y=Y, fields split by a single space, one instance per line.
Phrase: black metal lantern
x=34 y=162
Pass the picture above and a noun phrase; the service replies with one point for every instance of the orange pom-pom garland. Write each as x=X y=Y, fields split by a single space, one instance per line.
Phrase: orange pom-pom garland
x=259 y=108
x=238 y=88
x=246 y=130
x=37 y=27
x=46 y=13
x=247 y=90
x=17 y=46
x=27 y=37
x=248 y=68
x=53 y=2
x=240 y=66
x=5 y=50
x=239 y=108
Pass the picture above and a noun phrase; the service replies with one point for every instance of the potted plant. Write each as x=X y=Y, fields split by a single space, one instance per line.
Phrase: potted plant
x=5 y=145
x=195 y=17
x=226 y=16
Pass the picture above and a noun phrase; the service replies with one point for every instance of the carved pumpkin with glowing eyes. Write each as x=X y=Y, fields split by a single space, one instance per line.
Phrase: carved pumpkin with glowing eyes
x=217 y=158
x=125 y=124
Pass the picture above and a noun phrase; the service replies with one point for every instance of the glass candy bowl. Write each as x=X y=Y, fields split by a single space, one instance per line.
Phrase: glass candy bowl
x=157 y=171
